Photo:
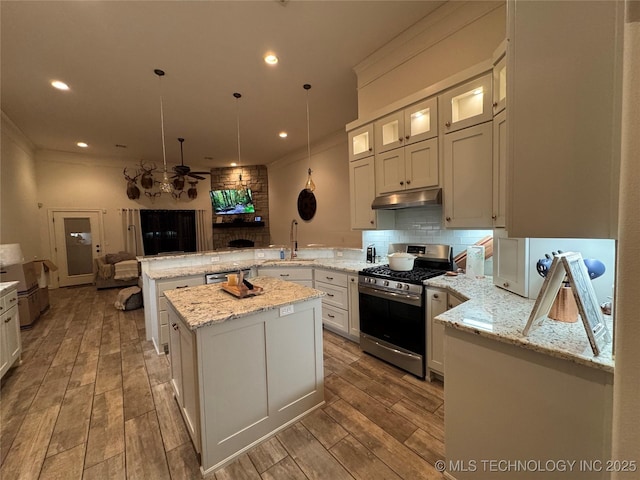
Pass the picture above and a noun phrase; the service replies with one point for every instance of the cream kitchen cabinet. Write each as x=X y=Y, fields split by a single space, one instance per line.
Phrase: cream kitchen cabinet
x=500 y=165
x=361 y=142
x=362 y=191
x=413 y=124
x=564 y=118
x=466 y=105
x=161 y=287
x=10 y=341
x=438 y=302
x=301 y=276
x=407 y=168
x=335 y=304
x=468 y=171
x=184 y=374
x=354 y=309
x=510 y=257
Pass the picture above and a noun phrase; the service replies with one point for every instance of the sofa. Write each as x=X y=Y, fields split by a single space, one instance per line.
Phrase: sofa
x=117 y=270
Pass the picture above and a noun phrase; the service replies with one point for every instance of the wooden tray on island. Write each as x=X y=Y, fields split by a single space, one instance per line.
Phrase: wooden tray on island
x=243 y=292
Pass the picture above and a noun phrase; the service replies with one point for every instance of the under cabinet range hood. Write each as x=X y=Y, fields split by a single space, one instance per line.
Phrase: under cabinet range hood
x=419 y=198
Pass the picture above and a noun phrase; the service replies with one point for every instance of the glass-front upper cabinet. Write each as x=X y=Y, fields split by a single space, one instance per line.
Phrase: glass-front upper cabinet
x=499 y=81
x=404 y=127
x=361 y=142
x=467 y=105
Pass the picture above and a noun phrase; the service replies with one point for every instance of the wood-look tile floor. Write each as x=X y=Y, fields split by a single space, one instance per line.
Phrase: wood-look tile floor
x=92 y=400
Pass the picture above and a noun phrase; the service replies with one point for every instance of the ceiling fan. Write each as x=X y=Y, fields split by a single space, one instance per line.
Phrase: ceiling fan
x=183 y=170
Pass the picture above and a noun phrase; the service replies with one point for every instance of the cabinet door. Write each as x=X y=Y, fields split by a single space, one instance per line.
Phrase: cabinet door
x=190 y=391
x=436 y=304
x=354 y=309
x=421 y=164
x=175 y=356
x=500 y=85
x=361 y=142
x=510 y=262
x=467 y=177
x=389 y=132
x=500 y=169
x=421 y=121
x=390 y=172
x=466 y=105
x=564 y=118
x=362 y=191
x=11 y=334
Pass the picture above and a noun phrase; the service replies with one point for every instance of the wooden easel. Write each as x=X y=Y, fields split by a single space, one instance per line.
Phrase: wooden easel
x=571 y=265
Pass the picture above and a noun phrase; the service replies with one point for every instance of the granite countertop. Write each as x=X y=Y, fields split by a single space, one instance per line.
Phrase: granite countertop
x=500 y=315
x=348 y=266
x=209 y=304
x=5 y=286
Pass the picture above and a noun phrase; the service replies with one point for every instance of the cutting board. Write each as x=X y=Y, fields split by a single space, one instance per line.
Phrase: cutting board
x=243 y=292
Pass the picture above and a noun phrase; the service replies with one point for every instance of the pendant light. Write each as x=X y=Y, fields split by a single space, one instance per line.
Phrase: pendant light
x=165 y=185
x=309 y=186
x=241 y=189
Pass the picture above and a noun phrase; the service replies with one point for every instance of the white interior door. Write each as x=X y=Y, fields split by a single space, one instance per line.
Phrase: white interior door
x=78 y=241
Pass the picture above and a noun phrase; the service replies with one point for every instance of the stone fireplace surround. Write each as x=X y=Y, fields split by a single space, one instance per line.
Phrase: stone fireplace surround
x=256 y=178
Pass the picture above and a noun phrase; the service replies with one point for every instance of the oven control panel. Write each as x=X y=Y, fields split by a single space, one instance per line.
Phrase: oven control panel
x=390 y=285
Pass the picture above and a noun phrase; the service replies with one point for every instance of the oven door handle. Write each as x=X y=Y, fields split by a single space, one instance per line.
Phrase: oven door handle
x=397 y=352
x=401 y=297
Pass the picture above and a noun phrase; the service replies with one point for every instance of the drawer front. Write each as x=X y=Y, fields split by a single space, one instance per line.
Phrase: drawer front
x=336 y=296
x=290 y=274
x=162 y=303
x=164 y=317
x=332 y=277
x=9 y=300
x=179 y=283
x=335 y=318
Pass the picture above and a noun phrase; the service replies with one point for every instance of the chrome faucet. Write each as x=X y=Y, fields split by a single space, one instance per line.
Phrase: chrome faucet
x=293 y=238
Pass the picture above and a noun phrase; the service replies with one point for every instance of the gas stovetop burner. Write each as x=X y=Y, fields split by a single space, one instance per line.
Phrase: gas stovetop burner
x=415 y=276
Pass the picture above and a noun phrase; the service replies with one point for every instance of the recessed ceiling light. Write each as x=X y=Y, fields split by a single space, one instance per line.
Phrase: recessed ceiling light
x=82 y=144
x=271 y=59
x=283 y=134
x=59 y=85
x=234 y=164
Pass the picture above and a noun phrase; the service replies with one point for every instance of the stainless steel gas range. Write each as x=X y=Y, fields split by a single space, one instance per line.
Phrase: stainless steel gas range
x=392 y=306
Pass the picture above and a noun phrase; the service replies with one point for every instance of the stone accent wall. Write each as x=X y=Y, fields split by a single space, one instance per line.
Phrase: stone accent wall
x=256 y=178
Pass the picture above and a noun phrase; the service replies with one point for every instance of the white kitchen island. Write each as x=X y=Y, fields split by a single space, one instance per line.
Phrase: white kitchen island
x=523 y=407
x=243 y=369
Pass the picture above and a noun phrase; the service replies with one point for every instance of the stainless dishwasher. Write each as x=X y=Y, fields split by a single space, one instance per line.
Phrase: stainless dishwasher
x=220 y=277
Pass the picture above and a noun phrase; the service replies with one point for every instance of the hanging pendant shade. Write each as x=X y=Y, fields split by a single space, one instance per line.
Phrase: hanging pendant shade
x=309 y=186
x=241 y=188
x=165 y=185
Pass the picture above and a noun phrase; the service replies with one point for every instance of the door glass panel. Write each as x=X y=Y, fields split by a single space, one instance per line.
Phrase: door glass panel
x=420 y=122
x=467 y=105
x=502 y=79
x=361 y=143
x=78 y=244
x=390 y=132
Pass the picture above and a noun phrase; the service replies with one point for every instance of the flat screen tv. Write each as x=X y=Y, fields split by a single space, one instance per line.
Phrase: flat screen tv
x=230 y=202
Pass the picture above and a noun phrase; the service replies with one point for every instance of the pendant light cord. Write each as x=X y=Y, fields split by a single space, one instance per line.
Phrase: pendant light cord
x=307 y=87
x=237 y=97
x=164 y=150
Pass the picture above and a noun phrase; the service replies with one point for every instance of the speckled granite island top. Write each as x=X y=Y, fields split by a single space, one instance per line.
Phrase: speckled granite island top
x=495 y=313
x=209 y=304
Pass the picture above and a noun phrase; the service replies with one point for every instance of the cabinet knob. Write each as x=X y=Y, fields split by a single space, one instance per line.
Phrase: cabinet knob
x=330 y=295
x=435 y=295
x=451 y=305
x=447 y=124
x=7 y=320
x=370 y=149
x=401 y=183
x=400 y=139
x=448 y=219
x=407 y=137
x=330 y=316
x=371 y=222
x=495 y=104
x=329 y=278
x=505 y=284
x=408 y=182
x=494 y=217
x=174 y=326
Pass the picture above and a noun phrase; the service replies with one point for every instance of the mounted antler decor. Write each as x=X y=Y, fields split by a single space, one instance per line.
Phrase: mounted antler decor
x=133 y=192
x=146 y=180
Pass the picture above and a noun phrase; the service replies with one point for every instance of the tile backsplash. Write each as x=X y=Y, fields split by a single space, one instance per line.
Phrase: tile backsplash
x=424 y=225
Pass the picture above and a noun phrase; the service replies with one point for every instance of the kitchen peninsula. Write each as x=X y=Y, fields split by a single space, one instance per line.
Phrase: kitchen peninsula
x=244 y=368
x=539 y=400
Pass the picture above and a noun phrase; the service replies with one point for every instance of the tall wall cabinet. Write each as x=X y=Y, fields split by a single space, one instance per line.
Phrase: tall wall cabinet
x=564 y=90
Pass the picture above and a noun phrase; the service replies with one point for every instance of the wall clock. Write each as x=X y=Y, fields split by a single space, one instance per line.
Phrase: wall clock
x=306 y=204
